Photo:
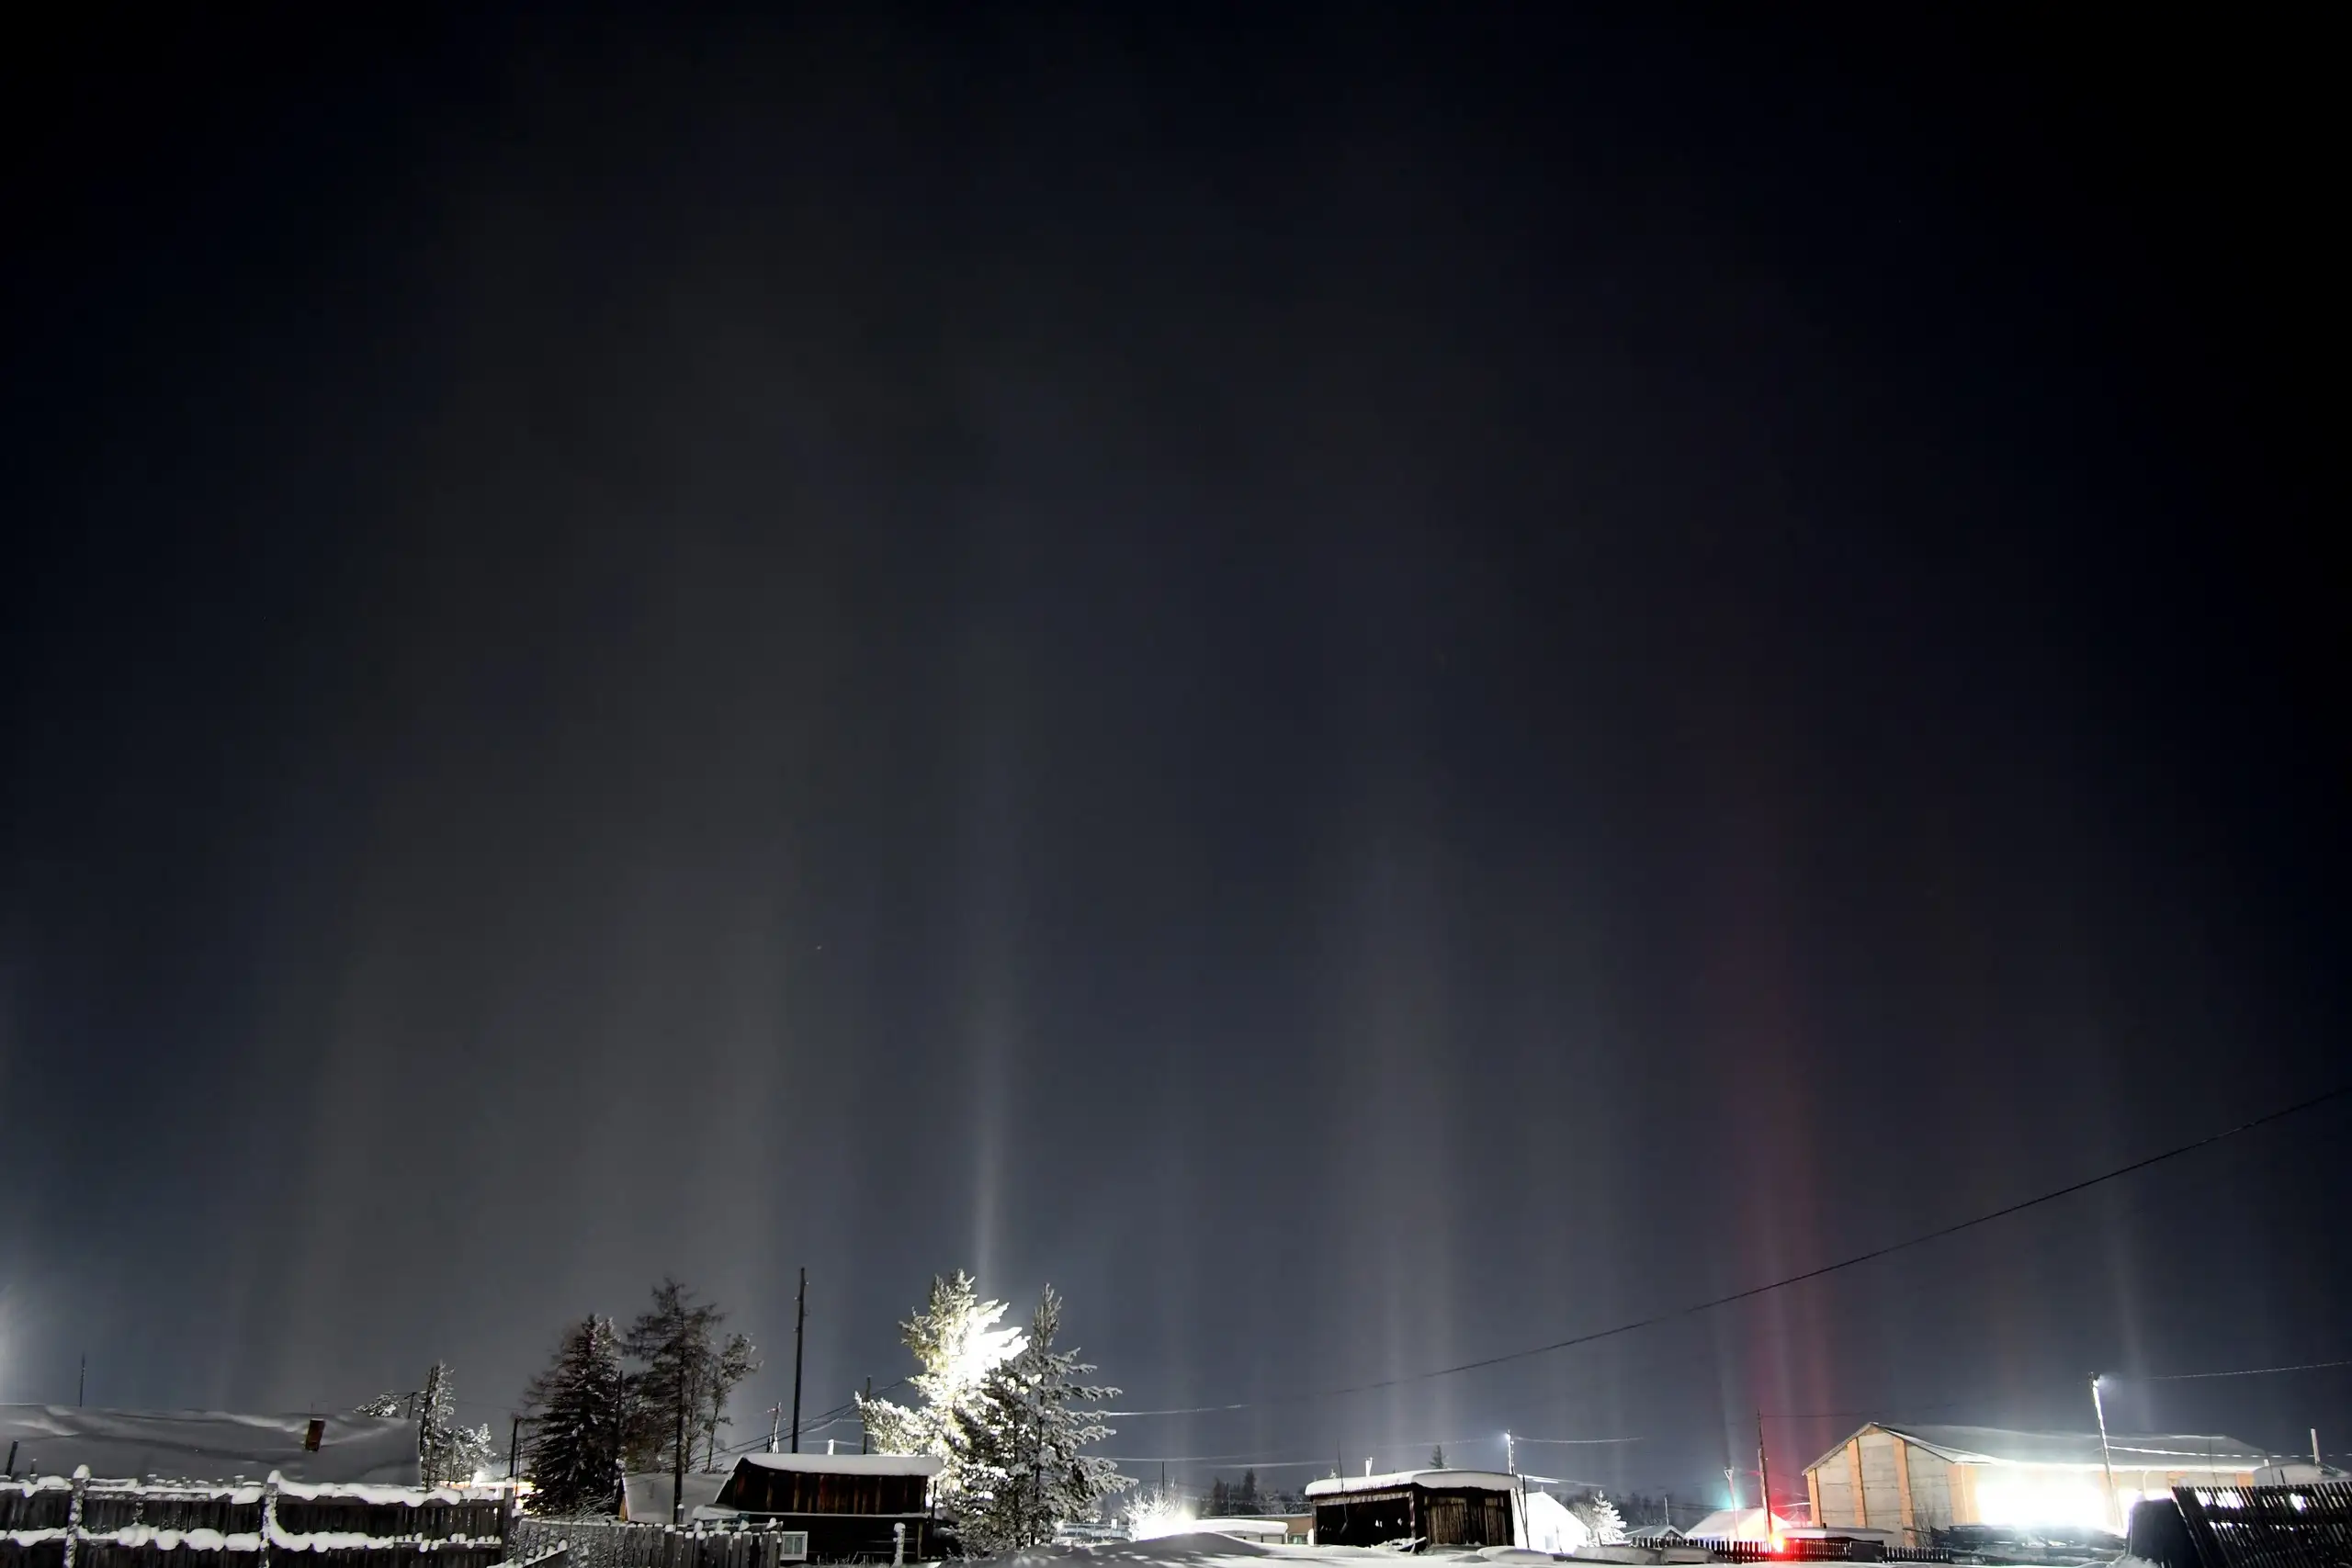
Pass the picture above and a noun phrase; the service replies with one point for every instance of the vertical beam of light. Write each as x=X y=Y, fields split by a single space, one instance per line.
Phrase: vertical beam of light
x=991 y=734
x=986 y=1000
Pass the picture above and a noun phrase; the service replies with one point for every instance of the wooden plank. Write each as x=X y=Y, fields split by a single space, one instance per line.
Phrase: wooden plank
x=1963 y=1480
x=1903 y=1489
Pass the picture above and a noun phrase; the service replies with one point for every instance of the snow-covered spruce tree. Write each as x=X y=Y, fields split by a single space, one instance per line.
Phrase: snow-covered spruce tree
x=386 y=1404
x=956 y=1343
x=1600 y=1516
x=449 y=1454
x=1018 y=1447
x=1437 y=1457
x=579 y=1406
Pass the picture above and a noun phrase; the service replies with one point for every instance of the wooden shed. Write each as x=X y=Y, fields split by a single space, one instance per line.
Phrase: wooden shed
x=849 y=1504
x=1437 y=1508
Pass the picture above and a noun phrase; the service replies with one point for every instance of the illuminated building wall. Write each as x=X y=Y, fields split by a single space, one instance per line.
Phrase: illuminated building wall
x=1912 y=1482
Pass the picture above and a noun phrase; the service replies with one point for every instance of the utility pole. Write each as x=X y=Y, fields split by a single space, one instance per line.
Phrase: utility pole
x=2105 y=1460
x=799 y=1338
x=678 y=1466
x=1764 y=1480
x=513 y=1448
x=2315 y=1461
x=865 y=1433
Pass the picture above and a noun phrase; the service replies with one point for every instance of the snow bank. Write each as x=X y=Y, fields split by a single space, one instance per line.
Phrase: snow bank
x=1208 y=1550
x=1738 y=1524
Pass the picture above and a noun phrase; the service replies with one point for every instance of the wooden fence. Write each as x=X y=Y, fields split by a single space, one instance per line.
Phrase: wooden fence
x=2307 y=1526
x=1806 y=1548
x=609 y=1544
x=59 y=1522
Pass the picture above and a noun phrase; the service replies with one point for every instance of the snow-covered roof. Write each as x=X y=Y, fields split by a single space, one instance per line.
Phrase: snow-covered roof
x=1736 y=1524
x=1995 y=1444
x=1262 y=1525
x=1434 y=1479
x=847 y=1464
x=645 y=1494
x=210 y=1445
x=1550 y=1526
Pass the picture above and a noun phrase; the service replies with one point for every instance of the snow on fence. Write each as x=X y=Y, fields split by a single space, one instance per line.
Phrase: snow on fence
x=2305 y=1526
x=53 y=1521
x=1806 y=1548
x=609 y=1543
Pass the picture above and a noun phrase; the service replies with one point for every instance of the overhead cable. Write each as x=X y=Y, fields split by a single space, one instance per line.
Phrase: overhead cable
x=1696 y=1308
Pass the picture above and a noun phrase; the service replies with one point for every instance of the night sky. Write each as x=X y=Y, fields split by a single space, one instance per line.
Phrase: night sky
x=1374 y=688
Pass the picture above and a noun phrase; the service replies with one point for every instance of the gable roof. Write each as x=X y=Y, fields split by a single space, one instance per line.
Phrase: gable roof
x=845 y=1464
x=1434 y=1480
x=2130 y=1450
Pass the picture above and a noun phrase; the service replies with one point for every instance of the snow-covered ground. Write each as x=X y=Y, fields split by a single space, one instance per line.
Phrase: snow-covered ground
x=1210 y=1550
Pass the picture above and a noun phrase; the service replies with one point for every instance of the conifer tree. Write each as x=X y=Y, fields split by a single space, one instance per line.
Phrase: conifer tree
x=579 y=1406
x=673 y=1338
x=734 y=1361
x=956 y=1343
x=449 y=1454
x=1600 y=1516
x=1018 y=1447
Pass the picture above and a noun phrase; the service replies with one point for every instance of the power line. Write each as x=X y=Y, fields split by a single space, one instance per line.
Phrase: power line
x=1693 y=1310
x=2242 y=1372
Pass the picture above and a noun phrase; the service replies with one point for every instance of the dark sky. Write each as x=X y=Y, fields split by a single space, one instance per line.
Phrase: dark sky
x=1372 y=687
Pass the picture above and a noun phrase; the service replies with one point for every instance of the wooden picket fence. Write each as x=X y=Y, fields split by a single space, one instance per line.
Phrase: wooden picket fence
x=57 y=1521
x=2306 y=1526
x=610 y=1543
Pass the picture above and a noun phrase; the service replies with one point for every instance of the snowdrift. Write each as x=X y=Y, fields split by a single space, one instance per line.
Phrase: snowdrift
x=208 y=1445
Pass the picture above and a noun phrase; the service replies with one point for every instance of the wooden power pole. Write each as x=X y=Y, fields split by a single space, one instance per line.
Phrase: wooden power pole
x=800 y=1334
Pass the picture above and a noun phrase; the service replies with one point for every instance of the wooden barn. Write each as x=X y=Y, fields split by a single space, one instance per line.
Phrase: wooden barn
x=1437 y=1507
x=851 y=1505
x=1917 y=1480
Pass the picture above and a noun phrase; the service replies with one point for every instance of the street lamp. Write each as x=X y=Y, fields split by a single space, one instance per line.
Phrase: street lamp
x=2106 y=1458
